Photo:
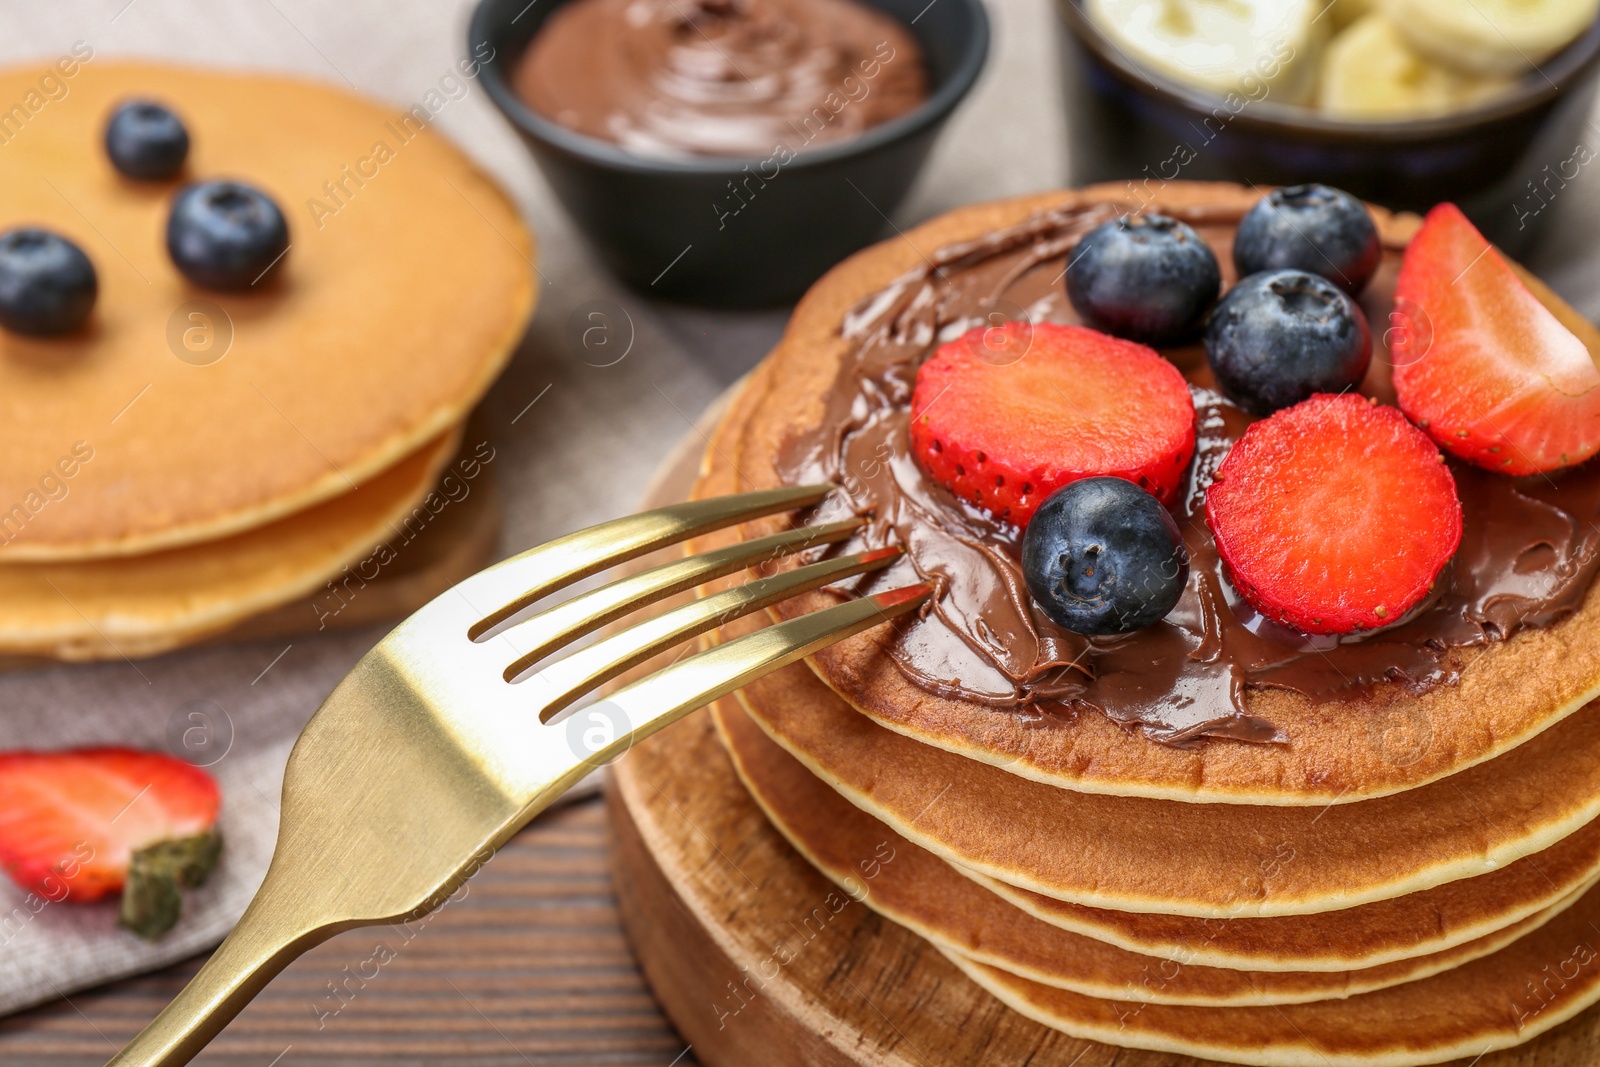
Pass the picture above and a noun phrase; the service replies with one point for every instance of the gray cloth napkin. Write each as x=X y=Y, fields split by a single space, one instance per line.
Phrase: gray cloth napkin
x=576 y=443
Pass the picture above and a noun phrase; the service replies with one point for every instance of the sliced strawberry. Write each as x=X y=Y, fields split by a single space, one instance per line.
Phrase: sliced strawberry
x=1334 y=515
x=73 y=825
x=1005 y=416
x=1488 y=364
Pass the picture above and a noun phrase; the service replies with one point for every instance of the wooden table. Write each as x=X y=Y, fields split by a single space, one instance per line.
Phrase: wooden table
x=529 y=967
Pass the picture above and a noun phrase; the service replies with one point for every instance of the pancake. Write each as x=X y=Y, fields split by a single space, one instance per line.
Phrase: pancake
x=1167 y=857
x=408 y=281
x=917 y=890
x=142 y=605
x=1368 y=744
x=1499 y=1001
x=1369 y=935
x=1366 y=936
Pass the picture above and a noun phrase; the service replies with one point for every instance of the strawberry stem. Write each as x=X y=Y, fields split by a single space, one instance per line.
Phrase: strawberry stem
x=151 y=901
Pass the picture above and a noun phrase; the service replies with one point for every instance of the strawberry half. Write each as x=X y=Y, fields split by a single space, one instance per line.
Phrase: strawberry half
x=79 y=826
x=1004 y=416
x=1334 y=515
x=1498 y=369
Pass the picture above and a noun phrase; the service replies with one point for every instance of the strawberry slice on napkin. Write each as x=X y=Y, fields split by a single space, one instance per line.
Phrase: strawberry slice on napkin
x=79 y=826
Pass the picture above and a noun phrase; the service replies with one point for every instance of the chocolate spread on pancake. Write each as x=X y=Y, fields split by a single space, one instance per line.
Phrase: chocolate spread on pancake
x=1527 y=558
x=742 y=78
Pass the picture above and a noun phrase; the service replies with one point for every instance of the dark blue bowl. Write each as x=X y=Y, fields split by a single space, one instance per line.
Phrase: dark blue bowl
x=1501 y=163
x=668 y=227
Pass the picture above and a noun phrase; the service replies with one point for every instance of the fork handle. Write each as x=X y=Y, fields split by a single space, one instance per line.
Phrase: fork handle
x=259 y=947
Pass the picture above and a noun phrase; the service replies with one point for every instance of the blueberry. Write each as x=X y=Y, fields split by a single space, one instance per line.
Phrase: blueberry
x=1102 y=556
x=1148 y=278
x=1280 y=336
x=47 y=284
x=146 y=140
x=1313 y=228
x=225 y=235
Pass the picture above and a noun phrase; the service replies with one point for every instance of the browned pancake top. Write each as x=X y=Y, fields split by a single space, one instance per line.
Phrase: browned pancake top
x=407 y=282
x=1337 y=742
x=1529 y=551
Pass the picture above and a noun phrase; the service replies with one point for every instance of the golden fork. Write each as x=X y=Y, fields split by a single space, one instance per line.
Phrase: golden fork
x=427 y=757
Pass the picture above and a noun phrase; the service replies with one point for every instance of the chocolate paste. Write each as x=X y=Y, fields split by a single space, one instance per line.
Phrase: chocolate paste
x=742 y=78
x=1527 y=555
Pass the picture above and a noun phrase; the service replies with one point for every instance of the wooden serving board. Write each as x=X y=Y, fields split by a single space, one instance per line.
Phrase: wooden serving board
x=757 y=958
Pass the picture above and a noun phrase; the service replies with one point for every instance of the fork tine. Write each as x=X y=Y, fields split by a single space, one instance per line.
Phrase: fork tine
x=571 y=619
x=667 y=695
x=566 y=680
x=519 y=581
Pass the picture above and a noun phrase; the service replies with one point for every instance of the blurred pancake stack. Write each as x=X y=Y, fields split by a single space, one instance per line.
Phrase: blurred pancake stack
x=193 y=458
x=1391 y=874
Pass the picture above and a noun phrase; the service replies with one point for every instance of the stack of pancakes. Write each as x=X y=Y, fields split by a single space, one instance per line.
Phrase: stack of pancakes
x=193 y=458
x=1407 y=876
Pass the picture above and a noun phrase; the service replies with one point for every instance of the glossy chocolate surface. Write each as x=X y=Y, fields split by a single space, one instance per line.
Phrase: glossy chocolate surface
x=731 y=78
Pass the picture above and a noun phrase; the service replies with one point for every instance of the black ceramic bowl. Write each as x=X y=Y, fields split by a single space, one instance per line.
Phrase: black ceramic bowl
x=1502 y=163
x=664 y=226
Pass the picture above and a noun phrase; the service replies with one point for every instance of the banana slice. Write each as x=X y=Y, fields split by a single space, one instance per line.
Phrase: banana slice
x=1371 y=72
x=1257 y=48
x=1345 y=12
x=1491 y=36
